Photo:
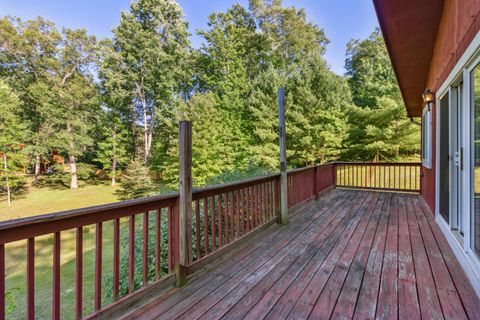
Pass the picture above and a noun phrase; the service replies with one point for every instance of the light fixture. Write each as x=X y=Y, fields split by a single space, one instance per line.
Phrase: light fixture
x=428 y=97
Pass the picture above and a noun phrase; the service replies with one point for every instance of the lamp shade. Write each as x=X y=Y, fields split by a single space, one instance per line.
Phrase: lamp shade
x=428 y=96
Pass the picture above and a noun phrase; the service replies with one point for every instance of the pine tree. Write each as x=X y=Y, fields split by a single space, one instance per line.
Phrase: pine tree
x=212 y=152
x=136 y=182
x=379 y=127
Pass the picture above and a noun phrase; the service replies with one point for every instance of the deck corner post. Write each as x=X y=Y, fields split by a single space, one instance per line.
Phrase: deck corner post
x=184 y=202
x=315 y=182
x=283 y=219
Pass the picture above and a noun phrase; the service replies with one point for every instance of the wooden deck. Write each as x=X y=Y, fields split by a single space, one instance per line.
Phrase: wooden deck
x=349 y=254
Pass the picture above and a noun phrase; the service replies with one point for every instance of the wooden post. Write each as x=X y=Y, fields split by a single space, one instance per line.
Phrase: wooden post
x=185 y=202
x=283 y=157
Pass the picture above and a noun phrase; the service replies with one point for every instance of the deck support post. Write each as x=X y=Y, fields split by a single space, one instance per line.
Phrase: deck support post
x=184 y=203
x=283 y=219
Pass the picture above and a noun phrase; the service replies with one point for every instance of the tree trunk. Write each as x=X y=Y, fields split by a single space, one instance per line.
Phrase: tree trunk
x=114 y=169
x=37 y=168
x=7 y=182
x=73 y=172
x=72 y=161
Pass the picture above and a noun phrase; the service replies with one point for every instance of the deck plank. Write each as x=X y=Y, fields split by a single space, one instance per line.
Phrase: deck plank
x=449 y=300
x=330 y=293
x=387 y=306
x=185 y=297
x=223 y=297
x=408 y=307
x=349 y=254
x=367 y=299
x=282 y=308
x=239 y=311
x=427 y=293
x=464 y=287
x=345 y=305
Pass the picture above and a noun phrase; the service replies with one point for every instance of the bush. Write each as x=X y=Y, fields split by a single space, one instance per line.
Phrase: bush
x=59 y=177
x=124 y=255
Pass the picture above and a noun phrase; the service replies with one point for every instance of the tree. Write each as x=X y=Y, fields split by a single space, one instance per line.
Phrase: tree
x=112 y=148
x=289 y=35
x=369 y=70
x=27 y=60
x=212 y=152
x=379 y=128
x=12 y=134
x=74 y=97
x=145 y=64
x=229 y=60
x=136 y=182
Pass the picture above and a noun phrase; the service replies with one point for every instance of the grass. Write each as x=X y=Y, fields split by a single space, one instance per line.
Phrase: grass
x=45 y=200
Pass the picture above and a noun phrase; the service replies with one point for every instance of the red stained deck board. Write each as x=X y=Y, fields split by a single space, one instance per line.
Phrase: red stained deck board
x=349 y=254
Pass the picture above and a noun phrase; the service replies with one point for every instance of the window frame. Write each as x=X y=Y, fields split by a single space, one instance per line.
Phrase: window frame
x=427 y=137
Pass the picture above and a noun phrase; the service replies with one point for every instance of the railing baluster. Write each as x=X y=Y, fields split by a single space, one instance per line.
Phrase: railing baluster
x=145 y=249
x=116 y=258
x=205 y=224
x=232 y=217
x=212 y=223
x=220 y=221
x=170 y=223
x=226 y=209
x=2 y=282
x=31 y=278
x=197 y=227
x=248 y=210
x=131 y=254
x=242 y=211
x=158 y=243
x=56 y=277
x=79 y=273
x=237 y=209
x=255 y=212
x=98 y=266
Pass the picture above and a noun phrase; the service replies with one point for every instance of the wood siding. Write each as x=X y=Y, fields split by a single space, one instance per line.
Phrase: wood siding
x=459 y=25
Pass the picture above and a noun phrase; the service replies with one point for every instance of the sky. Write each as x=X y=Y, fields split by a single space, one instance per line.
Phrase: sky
x=342 y=20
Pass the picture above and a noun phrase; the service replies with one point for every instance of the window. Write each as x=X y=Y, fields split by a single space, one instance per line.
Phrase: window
x=427 y=138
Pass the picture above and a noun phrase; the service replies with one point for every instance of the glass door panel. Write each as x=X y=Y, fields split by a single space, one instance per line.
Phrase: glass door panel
x=444 y=172
x=475 y=102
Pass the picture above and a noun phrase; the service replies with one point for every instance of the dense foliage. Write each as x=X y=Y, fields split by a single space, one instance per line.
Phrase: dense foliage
x=115 y=103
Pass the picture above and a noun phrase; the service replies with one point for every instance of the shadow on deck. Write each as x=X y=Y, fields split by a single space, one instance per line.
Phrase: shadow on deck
x=349 y=254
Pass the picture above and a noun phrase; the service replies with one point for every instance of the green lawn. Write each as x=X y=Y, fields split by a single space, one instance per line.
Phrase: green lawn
x=44 y=200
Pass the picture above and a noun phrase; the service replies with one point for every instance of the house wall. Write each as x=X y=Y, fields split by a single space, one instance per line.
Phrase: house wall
x=459 y=25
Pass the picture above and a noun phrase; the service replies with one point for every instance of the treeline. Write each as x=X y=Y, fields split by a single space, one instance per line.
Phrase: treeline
x=115 y=103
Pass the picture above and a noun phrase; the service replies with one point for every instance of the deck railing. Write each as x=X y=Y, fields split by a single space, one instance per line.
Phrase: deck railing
x=402 y=177
x=138 y=241
x=134 y=245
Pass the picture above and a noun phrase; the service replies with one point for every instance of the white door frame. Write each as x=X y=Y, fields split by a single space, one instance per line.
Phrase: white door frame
x=466 y=256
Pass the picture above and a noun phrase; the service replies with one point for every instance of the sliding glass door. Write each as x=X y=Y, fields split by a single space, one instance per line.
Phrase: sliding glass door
x=475 y=108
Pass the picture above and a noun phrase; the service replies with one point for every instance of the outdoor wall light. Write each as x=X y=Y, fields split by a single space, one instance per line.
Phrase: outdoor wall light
x=428 y=97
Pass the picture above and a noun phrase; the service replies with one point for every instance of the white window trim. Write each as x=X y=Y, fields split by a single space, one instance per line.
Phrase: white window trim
x=427 y=131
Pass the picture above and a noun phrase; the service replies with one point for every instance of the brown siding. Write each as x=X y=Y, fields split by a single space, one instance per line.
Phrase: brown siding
x=459 y=25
